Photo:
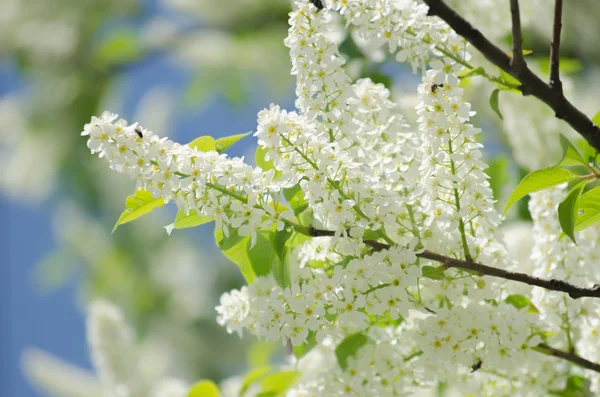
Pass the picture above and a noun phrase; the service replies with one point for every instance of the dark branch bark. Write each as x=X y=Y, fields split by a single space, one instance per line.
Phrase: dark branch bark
x=571 y=357
x=555 y=48
x=517 y=60
x=573 y=291
x=531 y=84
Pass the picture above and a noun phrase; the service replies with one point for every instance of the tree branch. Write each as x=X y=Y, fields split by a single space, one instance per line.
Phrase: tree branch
x=573 y=291
x=531 y=84
x=517 y=61
x=571 y=357
x=555 y=48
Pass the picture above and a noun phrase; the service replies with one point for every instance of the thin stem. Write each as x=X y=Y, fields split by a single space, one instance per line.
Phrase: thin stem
x=517 y=61
x=570 y=357
x=555 y=82
x=461 y=222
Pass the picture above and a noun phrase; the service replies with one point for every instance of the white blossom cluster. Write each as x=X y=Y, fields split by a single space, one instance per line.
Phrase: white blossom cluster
x=575 y=323
x=207 y=182
x=404 y=26
x=461 y=199
x=348 y=300
x=385 y=192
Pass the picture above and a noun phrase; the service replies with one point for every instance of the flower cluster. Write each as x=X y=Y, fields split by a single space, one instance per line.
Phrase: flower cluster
x=574 y=323
x=209 y=183
x=405 y=27
x=329 y=301
x=461 y=200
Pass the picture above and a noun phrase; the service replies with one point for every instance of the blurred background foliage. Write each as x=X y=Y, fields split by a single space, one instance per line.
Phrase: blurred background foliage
x=185 y=68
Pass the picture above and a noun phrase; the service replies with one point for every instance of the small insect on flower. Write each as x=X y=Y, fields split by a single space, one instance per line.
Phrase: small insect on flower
x=317 y=3
x=138 y=131
x=435 y=87
x=476 y=366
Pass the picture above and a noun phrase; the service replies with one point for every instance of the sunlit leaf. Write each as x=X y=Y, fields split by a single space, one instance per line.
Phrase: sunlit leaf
x=589 y=209
x=225 y=143
x=539 y=180
x=204 y=388
x=234 y=248
x=204 y=144
x=520 y=302
x=183 y=221
x=348 y=348
x=252 y=377
x=137 y=205
x=571 y=155
x=277 y=384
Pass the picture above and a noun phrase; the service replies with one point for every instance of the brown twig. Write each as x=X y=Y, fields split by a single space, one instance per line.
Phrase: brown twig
x=531 y=84
x=555 y=48
x=517 y=61
x=573 y=291
x=571 y=357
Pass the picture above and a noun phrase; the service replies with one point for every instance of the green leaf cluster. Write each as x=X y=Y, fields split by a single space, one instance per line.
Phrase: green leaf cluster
x=580 y=207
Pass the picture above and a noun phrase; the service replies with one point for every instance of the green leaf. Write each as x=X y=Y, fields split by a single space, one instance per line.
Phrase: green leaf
x=183 y=221
x=204 y=144
x=348 y=348
x=311 y=341
x=295 y=197
x=520 y=301
x=571 y=155
x=225 y=143
x=277 y=384
x=587 y=151
x=261 y=255
x=138 y=204
x=279 y=239
x=589 y=209
x=204 y=388
x=227 y=242
x=253 y=376
x=122 y=46
x=280 y=268
x=433 y=272
x=568 y=208
x=508 y=78
x=236 y=252
x=494 y=102
x=539 y=180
